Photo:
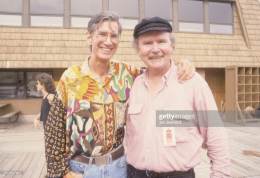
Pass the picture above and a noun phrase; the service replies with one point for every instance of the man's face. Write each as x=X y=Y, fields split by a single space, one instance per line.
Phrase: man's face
x=155 y=49
x=104 y=40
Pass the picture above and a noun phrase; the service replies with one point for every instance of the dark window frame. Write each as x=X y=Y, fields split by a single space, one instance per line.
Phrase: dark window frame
x=25 y=81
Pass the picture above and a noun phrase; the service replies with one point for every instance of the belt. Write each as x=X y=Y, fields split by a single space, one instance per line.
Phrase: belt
x=101 y=160
x=152 y=174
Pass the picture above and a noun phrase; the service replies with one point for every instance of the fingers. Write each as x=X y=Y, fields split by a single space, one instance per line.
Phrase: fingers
x=50 y=98
x=36 y=123
x=181 y=71
x=185 y=70
x=72 y=174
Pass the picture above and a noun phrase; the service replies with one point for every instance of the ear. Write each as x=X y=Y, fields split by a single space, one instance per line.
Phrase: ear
x=173 y=46
x=89 y=40
x=135 y=45
x=89 y=37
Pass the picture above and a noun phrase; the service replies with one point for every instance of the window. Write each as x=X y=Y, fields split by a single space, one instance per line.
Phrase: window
x=12 y=85
x=11 y=6
x=128 y=23
x=47 y=7
x=46 y=21
x=220 y=17
x=81 y=10
x=158 y=8
x=85 y=7
x=15 y=84
x=127 y=10
x=79 y=21
x=47 y=12
x=10 y=12
x=190 y=15
x=31 y=84
x=13 y=20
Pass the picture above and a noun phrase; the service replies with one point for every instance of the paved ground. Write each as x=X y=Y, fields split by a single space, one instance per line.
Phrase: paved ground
x=22 y=151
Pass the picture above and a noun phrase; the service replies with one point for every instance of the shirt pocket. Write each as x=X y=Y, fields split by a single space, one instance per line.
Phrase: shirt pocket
x=182 y=135
x=120 y=113
x=135 y=109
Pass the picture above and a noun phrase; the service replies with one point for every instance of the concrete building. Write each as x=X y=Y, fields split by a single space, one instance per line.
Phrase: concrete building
x=50 y=35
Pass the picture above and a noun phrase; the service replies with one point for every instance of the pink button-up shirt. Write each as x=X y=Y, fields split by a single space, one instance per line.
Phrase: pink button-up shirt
x=144 y=144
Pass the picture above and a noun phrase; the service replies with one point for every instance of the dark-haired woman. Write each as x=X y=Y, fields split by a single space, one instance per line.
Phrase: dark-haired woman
x=45 y=85
x=54 y=131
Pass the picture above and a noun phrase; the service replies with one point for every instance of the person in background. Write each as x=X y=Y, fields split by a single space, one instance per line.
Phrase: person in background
x=45 y=85
x=170 y=151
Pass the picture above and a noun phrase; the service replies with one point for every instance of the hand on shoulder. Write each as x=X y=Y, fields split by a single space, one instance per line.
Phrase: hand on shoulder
x=185 y=69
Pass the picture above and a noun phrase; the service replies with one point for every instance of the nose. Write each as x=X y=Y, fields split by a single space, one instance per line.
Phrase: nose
x=155 y=48
x=108 y=40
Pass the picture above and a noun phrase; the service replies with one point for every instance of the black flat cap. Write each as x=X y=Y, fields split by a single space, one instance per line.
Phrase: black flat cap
x=152 y=24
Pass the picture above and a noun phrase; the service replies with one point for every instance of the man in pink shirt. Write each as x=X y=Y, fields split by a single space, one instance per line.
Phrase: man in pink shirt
x=169 y=152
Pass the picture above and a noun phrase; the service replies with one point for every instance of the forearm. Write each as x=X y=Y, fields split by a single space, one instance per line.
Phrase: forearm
x=37 y=117
x=218 y=152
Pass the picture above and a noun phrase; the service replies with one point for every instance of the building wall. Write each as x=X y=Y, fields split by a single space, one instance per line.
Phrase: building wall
x=59 y=48
x=26 y=106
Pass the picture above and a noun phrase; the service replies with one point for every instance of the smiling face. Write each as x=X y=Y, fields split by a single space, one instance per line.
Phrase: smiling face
x=104 y=40
x=155 y=49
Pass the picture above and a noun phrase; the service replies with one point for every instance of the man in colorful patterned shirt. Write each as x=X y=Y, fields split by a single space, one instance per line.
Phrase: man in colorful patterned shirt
x=94 y=97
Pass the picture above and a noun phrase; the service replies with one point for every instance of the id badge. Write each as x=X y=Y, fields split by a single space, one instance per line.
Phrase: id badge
x=169 y=138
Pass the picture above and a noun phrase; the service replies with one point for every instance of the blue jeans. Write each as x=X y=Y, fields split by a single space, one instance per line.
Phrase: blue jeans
x=115 y=169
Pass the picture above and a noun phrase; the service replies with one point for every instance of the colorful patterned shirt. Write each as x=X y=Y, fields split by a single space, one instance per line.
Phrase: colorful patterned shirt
x=95 y=107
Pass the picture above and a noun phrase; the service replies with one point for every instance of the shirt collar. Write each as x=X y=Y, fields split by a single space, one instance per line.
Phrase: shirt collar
x=171 y=72
x=86 y=71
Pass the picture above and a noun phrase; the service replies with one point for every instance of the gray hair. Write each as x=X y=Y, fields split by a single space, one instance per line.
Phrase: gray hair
x=99 y=18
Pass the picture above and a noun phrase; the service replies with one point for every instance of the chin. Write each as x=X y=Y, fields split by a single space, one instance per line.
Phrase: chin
x=105 y=57
x=156 y=66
